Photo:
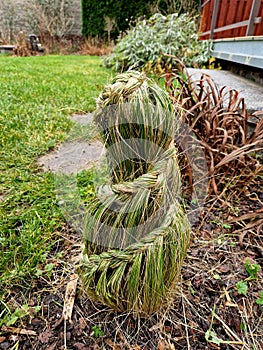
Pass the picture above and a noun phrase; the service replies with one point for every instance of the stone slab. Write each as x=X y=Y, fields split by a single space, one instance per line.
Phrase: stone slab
x=72 y=157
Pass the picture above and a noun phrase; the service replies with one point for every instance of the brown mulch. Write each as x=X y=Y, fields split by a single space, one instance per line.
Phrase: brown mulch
x=206 y=313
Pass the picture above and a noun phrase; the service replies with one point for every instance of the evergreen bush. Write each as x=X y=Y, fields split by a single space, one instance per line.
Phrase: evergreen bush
x=146 y=44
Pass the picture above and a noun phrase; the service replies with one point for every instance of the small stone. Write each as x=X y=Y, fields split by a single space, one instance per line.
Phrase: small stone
x=5 y=345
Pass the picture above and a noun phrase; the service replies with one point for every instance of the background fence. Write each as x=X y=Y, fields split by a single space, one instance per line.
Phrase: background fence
x=231 y=18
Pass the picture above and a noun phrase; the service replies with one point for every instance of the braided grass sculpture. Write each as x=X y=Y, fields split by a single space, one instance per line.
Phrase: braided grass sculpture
x=137 y=234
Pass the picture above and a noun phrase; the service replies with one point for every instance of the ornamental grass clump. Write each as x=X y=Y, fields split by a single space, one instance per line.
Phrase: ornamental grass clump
x=232 y=138
x=136 y=233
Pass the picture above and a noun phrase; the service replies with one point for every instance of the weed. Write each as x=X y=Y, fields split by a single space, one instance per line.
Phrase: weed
x=220 y=224
x=213 y=64
x=211 y=336
x=252 y=269
x=11 y=318
x=259 y=301
x=243 y=327
x=191 y=289
x=227 y=226
x=97 y=331
x=86 y=185
x=95 y=47
x=242 y=287
x=216 y=276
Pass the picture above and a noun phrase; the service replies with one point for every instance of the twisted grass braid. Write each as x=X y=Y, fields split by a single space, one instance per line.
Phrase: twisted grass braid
x=136 y=241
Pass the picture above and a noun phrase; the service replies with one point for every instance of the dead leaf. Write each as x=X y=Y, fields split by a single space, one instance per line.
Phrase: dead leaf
x=70 y=298
x=257 y=214
x=45 y=336
x=230 y=304
x=79 y=346
x=58 y=322
x=163 y=345
x=52 y=346
x=18 y=330
x=241 y=237
x=223 y=268
x=113 y=345
x=80 y=326
x=95 y=347
x=14 y=337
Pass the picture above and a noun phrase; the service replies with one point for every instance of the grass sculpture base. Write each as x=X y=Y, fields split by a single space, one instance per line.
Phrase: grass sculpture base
x=136 y=233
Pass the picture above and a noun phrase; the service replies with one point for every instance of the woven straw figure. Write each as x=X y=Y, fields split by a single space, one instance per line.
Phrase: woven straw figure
x=136 y=234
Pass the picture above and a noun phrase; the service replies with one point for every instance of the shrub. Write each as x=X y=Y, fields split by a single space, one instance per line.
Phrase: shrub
x=147 y=44
x=22 y=46
x=95 y=47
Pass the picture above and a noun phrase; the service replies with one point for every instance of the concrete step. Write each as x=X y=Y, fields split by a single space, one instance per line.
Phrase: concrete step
x=252 y=92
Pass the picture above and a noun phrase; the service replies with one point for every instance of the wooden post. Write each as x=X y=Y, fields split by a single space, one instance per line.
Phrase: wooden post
x=214 y=18
x=253 y=13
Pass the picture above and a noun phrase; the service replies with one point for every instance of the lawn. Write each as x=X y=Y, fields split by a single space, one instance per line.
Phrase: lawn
x=37 y=96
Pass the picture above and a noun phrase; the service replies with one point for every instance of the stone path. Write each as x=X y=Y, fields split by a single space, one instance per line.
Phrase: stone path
x=72 y=157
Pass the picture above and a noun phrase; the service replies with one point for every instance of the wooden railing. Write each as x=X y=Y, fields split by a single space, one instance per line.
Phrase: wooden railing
x=231 y=18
